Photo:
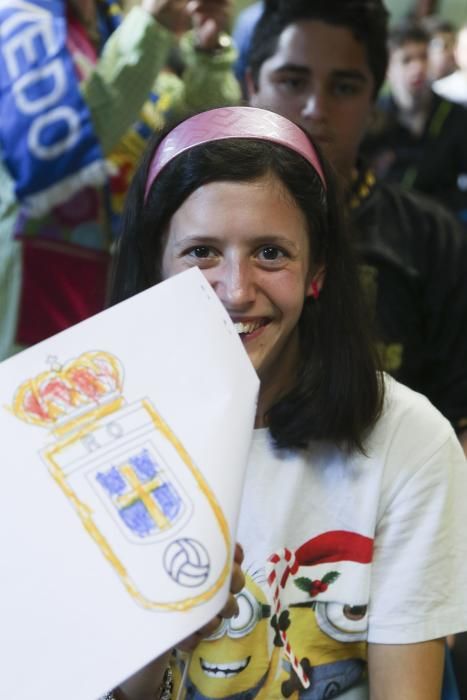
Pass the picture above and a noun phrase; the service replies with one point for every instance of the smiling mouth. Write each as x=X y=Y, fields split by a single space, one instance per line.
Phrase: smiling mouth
x=247 y=328
x=224 y=670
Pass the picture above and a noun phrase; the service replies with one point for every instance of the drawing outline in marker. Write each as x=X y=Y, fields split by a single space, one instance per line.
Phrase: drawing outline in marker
x=136 y=489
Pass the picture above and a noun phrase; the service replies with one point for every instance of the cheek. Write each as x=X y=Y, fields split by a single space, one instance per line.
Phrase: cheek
x=275 y=99
x=170 y=265
x=288 y=292
x=211 y=275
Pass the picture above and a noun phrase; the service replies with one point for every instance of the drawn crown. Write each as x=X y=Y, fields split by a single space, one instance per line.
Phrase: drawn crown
x=62 y=393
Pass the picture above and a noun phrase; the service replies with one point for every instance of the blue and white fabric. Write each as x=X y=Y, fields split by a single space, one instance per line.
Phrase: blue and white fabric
x=46 y=133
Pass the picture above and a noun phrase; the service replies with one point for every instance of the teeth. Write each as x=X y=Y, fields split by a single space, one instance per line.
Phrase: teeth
x=224 y=670
x=248 y=327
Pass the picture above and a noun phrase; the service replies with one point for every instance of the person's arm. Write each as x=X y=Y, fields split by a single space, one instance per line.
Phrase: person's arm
x=406 y=671
x=209 y=54
x=208 y=80
x=134 y=54
x=419 y=576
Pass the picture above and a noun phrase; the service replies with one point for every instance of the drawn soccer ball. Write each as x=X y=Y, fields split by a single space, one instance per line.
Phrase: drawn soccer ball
x=187 y=562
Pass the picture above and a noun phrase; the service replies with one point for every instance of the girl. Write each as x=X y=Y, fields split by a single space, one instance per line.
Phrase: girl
x=351 y=514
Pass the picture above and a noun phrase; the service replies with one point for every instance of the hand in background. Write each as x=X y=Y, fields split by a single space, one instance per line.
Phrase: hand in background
x=209 y=18
x=172 y=14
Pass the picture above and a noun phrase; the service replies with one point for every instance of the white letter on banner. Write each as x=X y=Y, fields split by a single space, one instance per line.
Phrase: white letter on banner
x=54 y=71
x=23 y=45
x=26 y=12
x=49 y=152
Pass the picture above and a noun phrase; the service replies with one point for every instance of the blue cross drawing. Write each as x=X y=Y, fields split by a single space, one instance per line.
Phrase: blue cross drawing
x=145 y=500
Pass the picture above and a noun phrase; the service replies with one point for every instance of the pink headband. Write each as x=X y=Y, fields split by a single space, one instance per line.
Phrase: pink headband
x=231 y=123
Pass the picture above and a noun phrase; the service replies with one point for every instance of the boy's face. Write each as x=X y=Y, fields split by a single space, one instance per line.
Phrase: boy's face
x=441 y=55
x=408 y=75
x=319 y=77
x=461 y=49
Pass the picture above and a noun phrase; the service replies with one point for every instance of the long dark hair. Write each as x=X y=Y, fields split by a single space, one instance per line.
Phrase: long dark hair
x=338 y=393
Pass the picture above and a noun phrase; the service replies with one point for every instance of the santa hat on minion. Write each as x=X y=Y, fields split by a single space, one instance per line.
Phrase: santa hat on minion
x=331 y=567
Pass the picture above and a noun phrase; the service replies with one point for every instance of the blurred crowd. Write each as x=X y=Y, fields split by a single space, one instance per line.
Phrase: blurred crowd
x=82 y=95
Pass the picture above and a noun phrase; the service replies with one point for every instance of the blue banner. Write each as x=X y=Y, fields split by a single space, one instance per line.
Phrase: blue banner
x=46 y=133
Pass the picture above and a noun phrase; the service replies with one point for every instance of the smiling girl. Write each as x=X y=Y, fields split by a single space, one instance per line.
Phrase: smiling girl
x=352 y=506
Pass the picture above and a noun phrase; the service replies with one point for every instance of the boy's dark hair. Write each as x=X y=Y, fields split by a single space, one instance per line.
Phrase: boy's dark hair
x=434 y=24
x=366 y=19
x=338 y=393
x=405 y=32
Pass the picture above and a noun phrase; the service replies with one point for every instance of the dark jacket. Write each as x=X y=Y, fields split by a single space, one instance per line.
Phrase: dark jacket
x=414 y=269
x=434 y=162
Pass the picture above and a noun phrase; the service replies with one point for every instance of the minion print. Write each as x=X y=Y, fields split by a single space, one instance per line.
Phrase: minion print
x=237 y=654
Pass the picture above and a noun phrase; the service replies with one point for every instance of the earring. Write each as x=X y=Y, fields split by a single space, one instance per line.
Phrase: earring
x=315 y=290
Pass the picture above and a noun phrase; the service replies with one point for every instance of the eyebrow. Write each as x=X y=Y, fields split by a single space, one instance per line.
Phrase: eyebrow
x=351 y=74
x=348 y=74
x=292 y=68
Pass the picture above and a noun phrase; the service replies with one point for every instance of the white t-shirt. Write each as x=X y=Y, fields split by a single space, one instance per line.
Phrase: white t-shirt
x=364 y=549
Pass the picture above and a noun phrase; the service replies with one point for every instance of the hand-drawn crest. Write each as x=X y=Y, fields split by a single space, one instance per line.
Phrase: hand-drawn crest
x=133 y=484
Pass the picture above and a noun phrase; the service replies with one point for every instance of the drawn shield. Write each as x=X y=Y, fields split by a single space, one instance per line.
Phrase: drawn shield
x=146 y=505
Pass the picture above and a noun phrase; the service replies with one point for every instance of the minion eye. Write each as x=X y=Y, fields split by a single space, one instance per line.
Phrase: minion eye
x=346 y=623
x=249 y=613
x=218 y=633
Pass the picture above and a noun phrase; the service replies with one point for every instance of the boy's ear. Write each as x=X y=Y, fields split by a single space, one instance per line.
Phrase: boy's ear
x=249 y=86
x=316 y=283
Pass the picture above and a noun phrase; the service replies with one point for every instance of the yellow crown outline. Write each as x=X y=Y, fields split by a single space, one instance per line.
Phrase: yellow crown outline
x=83 y=383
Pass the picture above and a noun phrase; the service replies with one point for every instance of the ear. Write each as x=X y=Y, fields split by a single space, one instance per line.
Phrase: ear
x=316 y=283
x=250 y=88
x=389 y=72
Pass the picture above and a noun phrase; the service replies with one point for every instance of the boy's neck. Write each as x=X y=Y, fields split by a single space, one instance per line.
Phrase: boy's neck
x=415 y=119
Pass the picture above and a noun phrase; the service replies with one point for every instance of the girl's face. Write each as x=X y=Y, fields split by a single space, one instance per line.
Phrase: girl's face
x=250 y=240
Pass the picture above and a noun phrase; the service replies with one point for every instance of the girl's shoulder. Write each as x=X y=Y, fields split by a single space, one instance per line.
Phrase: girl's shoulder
x=411 y=432
x=403 y=405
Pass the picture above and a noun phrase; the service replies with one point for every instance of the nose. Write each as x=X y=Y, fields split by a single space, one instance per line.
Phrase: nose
x=314 y=106
x=234 y=284
x=422 y=68
x=419 y=67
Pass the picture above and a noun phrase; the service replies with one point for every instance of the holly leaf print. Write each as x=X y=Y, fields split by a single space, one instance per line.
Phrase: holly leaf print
x=303 y=583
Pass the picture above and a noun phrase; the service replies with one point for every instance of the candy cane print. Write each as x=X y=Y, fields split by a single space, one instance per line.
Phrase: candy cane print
x=277 y=576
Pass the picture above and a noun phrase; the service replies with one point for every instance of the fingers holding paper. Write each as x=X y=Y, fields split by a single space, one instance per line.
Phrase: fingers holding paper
x=230 y=609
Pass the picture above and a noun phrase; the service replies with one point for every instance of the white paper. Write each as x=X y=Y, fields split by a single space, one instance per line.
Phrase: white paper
x=119 y=513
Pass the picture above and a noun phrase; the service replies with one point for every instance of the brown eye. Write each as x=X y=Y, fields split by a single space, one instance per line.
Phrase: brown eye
x=355 y=612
